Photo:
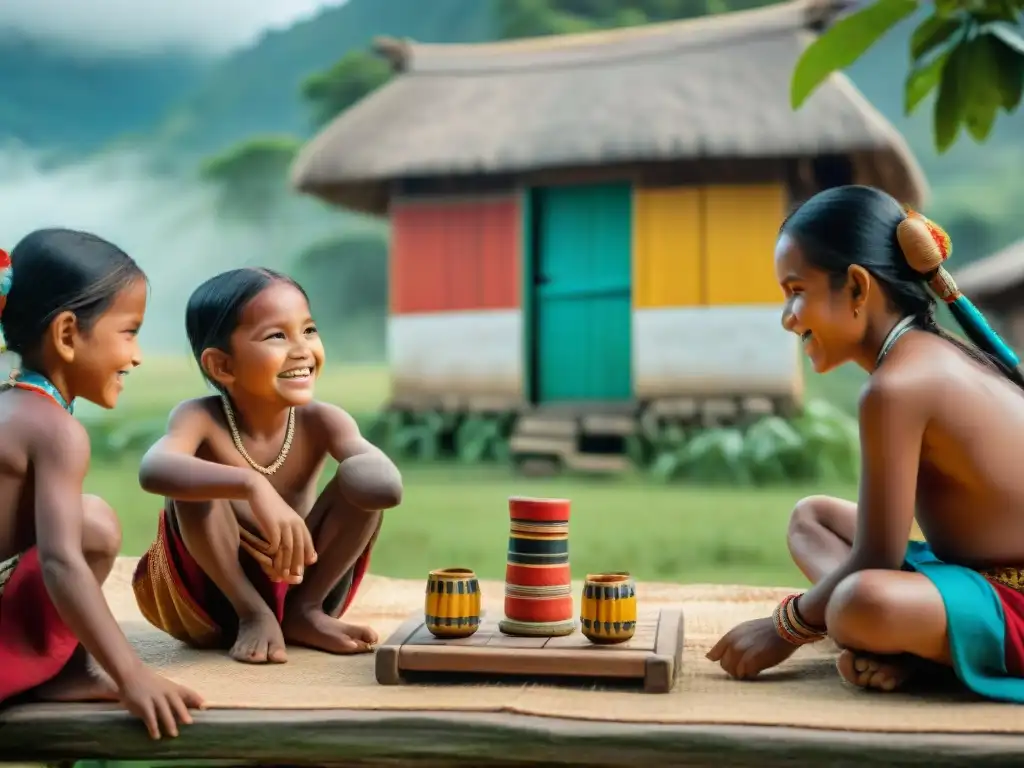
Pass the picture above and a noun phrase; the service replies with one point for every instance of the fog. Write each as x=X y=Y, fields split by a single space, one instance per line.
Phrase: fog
x=131 y=26
x=170 y=226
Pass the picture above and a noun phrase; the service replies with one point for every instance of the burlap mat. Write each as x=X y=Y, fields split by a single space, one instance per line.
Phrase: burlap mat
x=805 y=691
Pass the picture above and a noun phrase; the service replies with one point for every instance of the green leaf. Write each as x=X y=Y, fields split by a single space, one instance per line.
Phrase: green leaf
x=1008 y=33
x=1008 y=52
x=951 y=102
x=921 y=81
x=931 y=33
x=843 y=43
x=948 y=8
x=1010 y=75
x=984 y=94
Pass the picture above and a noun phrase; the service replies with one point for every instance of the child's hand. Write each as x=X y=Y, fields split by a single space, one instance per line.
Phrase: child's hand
x=259 y=551
x=160 y=703
x=289 y=542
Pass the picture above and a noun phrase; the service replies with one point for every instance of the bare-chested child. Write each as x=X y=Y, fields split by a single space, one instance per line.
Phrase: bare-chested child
x=940 y=426
x=71 y=305
x=247 y=557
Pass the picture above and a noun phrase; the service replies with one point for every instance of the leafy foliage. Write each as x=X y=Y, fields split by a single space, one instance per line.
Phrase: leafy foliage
x=470 y=438
x=252 y=176
x=347 y=282
x=970 y=52
x=354 y=76
x=820 y=445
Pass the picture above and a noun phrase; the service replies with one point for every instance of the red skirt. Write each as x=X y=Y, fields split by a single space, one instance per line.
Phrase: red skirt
x=176 y=596
x=35 y=643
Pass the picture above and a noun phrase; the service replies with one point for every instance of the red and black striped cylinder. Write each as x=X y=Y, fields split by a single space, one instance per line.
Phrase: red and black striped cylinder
x=538 y=584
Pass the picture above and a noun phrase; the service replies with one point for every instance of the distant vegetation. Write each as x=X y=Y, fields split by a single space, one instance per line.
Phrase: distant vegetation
x=236 y=123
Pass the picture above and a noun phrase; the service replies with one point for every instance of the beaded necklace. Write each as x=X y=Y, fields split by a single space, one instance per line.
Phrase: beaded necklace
x=236 y=437
x=36 y=382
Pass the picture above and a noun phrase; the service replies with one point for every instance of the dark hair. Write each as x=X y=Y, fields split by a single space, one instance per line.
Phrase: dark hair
x=848 y=225
x=215 y=308
x=61 y=270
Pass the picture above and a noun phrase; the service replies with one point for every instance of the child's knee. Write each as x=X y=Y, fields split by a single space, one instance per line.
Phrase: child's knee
x=807 y=519
x=376 y=485
x=859 y=609
x=101 y=530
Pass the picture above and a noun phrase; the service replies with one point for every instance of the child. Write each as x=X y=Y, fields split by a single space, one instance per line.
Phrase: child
x=940 y=424
x=244 y=557
x=71 y=306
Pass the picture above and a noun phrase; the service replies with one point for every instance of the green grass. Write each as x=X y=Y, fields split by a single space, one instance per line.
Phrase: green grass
x=161 y=382
x=457 y=516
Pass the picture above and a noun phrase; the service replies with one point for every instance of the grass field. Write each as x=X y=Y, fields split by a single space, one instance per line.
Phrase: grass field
x=457 y=516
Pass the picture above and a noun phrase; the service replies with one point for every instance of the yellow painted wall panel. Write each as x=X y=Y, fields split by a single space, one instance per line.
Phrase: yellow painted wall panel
x=741 y=226
x=667 y=247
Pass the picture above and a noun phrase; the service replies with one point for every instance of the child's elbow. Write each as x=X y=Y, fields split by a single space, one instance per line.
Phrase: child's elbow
x=391 y=494
x=59 y=565
x=149 y=475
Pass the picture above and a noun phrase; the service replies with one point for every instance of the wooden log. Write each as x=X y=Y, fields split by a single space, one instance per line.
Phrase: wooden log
x=51 y=733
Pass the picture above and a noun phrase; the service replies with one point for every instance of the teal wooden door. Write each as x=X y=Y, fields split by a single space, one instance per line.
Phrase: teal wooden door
x=582 y=294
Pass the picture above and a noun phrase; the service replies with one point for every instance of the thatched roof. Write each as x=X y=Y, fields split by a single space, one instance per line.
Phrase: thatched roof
x=715 y=87
x=994 y=277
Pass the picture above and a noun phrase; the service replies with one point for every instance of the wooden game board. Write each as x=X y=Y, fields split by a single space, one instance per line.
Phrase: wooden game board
x=652 y=656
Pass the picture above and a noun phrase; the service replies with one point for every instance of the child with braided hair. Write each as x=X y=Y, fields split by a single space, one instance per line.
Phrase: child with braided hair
x=939 y=419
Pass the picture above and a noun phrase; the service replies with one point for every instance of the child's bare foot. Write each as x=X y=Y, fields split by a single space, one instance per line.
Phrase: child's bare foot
x=259 y=640
x=868 y=671
x=315 y=629
x=80 y=680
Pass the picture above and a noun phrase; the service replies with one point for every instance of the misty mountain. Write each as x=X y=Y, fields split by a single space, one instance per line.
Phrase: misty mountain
x=183 y=109
x=77 y=103
x=256 y=90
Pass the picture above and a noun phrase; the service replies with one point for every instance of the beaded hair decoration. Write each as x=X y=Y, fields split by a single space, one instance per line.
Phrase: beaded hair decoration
x=926 y=246
x=5 y=279
x=6 y=274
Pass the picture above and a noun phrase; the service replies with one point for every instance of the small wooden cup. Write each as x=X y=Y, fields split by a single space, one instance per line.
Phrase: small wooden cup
x=452 y=605
x=608 y=609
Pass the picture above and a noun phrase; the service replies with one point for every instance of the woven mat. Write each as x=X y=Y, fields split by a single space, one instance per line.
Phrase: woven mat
x=805 y=691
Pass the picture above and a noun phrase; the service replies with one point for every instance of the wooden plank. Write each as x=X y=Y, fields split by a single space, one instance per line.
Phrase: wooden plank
x=650 y=656
x=596 y=462
x=661 y=668
x=385 y=660
x=50 y=733
x=553 y=662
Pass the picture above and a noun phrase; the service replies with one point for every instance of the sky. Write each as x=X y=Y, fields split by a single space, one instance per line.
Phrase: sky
x=139 y=26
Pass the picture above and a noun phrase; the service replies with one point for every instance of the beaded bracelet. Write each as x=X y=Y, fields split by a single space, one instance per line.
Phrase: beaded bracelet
x=791 y=627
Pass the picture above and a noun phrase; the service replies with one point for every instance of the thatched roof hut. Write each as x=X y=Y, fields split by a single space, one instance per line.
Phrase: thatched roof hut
x=715 y=88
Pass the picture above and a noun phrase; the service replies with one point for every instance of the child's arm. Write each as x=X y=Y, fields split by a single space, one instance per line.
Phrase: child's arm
x=369 y=479
x=893 y=416
x=60 y=459
x=170 y=467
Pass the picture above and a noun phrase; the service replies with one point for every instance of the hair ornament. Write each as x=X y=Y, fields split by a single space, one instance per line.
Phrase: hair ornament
x=926 y=246
x=6 y=275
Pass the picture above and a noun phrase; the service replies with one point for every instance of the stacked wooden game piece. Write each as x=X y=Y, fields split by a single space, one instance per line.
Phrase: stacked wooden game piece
x=538 y=585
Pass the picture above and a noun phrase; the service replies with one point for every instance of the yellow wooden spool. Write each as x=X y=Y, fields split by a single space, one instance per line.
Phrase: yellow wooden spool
x=452 y=605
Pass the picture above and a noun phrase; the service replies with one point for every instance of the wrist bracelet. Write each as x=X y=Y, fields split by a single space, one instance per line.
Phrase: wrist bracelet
x=791 y=627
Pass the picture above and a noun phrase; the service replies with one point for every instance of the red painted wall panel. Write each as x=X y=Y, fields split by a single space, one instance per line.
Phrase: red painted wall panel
x=448 y=256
